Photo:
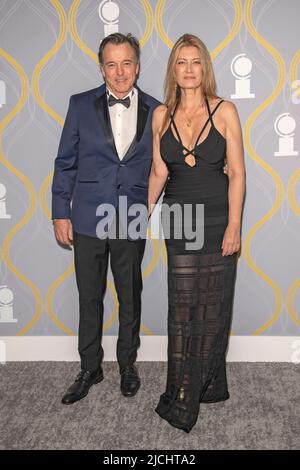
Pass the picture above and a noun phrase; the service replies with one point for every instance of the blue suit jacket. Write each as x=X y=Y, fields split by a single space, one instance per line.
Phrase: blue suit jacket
x=88 y=171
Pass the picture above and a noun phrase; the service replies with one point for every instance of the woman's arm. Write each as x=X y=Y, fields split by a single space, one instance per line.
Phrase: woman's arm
x=236 y=175
x=159 y=172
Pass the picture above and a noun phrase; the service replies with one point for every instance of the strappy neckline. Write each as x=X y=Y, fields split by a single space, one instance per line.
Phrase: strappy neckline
x=179 y=140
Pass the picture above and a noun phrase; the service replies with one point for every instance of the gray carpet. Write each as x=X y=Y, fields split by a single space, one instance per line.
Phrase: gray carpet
x=263 y=411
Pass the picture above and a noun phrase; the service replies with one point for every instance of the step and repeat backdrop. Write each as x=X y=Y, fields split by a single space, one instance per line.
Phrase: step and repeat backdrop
x=48 y=51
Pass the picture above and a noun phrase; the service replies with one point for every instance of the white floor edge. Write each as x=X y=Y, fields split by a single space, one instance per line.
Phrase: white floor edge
x=153 y=348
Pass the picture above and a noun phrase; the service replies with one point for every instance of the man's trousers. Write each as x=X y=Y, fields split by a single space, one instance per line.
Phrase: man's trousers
x=91 y=263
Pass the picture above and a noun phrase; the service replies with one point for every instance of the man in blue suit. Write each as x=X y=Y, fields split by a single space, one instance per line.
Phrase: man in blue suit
x=105 y=152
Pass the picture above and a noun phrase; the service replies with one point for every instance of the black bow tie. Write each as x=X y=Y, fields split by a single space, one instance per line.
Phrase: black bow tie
x=112 y=101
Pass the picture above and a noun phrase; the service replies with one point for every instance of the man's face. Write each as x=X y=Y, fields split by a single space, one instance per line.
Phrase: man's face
x=119 y=68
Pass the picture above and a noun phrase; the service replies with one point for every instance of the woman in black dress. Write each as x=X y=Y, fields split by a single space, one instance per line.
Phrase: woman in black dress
x=194 y=132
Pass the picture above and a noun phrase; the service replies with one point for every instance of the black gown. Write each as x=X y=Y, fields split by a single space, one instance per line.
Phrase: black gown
x=200 y=283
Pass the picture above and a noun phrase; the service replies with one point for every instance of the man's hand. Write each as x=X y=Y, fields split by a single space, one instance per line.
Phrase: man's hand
x=63 y=231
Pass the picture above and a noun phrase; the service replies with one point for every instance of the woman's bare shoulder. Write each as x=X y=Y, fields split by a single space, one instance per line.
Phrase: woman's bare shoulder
x=158 y=116
x=160 y=111
x=227 y=109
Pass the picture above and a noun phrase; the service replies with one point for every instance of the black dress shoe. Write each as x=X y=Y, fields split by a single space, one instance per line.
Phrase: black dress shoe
x=130 y=381
x=80 y=388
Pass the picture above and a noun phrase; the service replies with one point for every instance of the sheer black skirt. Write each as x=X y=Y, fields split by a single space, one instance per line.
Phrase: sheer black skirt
x=200 y=293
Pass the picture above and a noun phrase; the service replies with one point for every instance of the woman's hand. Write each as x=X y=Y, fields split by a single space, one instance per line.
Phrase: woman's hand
x=232 y=239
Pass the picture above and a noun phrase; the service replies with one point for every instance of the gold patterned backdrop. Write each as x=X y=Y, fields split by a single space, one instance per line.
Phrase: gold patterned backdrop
x=48 y=51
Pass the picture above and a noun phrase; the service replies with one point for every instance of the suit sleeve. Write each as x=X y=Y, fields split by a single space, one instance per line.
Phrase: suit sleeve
x=65 y=165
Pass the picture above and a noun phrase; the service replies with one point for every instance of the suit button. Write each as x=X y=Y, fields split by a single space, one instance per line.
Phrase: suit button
x=119 y=186
x=121 y=164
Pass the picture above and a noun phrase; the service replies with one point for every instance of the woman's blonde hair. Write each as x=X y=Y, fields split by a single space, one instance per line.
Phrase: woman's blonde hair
x=172 y=91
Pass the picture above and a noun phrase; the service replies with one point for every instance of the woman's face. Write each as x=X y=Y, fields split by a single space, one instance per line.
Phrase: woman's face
x=188 y=68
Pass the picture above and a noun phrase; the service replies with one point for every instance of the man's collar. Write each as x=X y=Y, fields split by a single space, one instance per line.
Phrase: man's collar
x=130 y=94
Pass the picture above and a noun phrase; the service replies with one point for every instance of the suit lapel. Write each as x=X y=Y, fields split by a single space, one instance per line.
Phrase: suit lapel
x=143 y=110
x=103 y=115
x=142 y=115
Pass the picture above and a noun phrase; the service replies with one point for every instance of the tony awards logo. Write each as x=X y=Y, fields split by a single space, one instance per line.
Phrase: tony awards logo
x=109 y=13
x=284 y=127
x=241 y=67
x=6 y=305
x=3 y=214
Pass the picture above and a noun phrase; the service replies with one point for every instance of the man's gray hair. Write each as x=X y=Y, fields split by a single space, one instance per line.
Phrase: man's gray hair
x=119 y=38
